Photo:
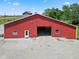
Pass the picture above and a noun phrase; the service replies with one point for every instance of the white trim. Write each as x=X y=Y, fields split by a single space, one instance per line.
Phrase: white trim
x=25 y=33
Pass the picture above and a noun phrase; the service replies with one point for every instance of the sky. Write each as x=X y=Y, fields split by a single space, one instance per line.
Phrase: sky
x=17 y=7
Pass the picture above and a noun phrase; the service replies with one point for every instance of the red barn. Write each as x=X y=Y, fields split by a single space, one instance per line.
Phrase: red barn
x=39 y=25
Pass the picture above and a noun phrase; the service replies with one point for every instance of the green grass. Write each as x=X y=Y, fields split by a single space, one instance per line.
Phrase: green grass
x=5 y=19
x=78 y=32
x=68 y=21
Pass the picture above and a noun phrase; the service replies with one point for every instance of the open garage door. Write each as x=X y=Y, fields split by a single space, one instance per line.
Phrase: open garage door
x=44 y=31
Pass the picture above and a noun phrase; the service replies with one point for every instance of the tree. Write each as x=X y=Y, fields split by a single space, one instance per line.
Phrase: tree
x=54 y=13
x=75 y=13
x=69 y=13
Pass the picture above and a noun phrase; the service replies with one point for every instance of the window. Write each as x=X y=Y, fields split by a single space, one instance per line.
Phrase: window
x=57 y=31
x=26 y=32
x=14 y=32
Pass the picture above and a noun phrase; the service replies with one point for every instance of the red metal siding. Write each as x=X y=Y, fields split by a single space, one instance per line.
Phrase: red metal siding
x=33 y=22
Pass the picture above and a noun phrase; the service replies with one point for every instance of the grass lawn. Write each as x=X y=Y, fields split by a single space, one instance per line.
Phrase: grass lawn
x=6 y=19
x=78 y=32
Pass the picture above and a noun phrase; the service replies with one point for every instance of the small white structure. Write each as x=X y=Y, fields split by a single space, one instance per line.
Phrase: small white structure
x=1 y=30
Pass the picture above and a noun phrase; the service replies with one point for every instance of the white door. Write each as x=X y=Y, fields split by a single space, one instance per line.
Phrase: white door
x=26 y=33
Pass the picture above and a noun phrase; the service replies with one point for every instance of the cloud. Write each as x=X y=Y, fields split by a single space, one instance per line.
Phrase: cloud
x=5 y=0
x=45 y=1
x=66 y=3
x=9 y=2
x=16 y=4
x=33 y=8
x=13 y=9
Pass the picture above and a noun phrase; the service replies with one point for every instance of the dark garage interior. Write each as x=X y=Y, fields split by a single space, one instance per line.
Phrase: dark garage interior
x=44 y=31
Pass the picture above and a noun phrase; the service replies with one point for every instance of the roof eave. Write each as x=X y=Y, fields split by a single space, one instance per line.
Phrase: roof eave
x=43 y=16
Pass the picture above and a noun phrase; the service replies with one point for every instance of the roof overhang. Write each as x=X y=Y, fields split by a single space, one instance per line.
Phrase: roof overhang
x=43 y=16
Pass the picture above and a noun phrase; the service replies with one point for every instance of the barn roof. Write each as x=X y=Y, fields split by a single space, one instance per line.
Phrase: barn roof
x=42 y=16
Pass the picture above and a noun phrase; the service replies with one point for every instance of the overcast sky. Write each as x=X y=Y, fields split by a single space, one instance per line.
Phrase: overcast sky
x=17 y=7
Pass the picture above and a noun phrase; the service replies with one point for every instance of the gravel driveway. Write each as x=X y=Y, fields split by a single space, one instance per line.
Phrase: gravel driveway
x=40 y=48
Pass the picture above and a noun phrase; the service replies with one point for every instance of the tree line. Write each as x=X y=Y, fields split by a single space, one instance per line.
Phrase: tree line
x=69 y=13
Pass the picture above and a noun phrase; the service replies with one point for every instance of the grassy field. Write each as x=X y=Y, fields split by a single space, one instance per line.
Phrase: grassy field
x=78 y=32
x=5 y=19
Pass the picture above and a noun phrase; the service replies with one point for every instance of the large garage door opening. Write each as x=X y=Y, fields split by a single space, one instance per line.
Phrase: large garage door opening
x=44 y=31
